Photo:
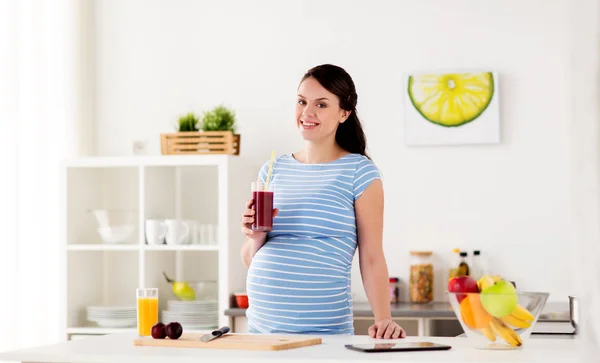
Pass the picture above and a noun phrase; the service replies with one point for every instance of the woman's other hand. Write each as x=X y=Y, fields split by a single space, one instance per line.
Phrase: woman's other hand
x=386 y=329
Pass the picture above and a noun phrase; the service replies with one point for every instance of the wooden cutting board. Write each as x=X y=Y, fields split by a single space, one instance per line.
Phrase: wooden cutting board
x=233 y=341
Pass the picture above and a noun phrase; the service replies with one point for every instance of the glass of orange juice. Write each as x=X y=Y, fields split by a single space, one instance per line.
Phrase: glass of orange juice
x=147 y=310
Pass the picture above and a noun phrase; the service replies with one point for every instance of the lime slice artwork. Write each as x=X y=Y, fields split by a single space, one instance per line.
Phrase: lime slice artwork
x=453 y=99
x=452 y=108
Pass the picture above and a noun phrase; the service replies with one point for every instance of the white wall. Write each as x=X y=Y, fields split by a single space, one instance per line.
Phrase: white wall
x=585 y=176
x=156 y=60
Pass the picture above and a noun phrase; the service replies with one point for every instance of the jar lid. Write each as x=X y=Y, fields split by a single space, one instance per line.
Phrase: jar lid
x=463 y=254
x=393 y=279
x=421 y=253
x=476 y=252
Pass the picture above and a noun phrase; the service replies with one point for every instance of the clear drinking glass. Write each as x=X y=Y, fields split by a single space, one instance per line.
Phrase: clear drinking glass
x=147 y=310
x=263 y=206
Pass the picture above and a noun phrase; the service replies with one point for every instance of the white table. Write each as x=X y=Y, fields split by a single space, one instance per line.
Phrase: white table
x=119 y=348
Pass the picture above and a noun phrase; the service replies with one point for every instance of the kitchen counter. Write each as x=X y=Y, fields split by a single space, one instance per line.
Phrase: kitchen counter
x=401 y=310
x=552 y=311
x=119 y=348
x=424 y=314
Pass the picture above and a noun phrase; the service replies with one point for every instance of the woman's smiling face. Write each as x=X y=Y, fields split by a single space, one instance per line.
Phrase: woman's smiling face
x=318 y=113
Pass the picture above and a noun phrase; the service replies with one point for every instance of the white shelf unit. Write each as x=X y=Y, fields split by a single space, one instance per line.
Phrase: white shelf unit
x=210 y=189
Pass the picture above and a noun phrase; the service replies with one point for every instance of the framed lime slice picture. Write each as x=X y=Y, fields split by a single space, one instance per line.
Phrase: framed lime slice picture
x=452 y=108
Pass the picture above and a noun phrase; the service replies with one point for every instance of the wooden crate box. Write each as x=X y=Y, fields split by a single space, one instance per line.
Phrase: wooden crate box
x=204 y=142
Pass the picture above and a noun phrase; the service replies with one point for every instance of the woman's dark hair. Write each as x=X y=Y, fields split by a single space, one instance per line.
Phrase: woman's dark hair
x=349 y=135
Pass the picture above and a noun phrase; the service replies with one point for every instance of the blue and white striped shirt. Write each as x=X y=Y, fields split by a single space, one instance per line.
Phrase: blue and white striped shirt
x=299 y=281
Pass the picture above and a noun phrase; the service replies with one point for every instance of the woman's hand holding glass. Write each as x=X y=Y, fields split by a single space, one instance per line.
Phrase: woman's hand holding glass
x=247 y=221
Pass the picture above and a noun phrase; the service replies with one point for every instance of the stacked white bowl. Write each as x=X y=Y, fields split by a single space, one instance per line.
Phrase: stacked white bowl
x=112 y=316
x=192 y=314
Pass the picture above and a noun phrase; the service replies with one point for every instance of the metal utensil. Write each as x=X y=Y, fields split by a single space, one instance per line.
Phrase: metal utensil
x=215 y=334
x=574 y=311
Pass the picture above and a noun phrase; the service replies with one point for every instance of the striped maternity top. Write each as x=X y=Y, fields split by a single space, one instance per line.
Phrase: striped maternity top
x=299 y=281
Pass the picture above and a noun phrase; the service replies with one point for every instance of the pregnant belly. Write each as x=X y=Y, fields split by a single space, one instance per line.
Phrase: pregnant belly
x=286 y=287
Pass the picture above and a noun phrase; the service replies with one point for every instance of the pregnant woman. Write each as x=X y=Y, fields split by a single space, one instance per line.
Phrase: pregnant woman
x=328 y=201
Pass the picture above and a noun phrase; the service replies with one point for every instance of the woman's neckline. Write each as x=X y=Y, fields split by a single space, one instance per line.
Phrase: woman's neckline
x=291 y=155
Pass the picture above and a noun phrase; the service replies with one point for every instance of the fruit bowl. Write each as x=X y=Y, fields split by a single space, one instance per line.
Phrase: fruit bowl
x=193 y=290
x=203 y=290
x=493 y=320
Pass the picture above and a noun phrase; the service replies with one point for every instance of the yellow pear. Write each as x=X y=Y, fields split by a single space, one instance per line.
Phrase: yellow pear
x=184 y=291
x=181 y=290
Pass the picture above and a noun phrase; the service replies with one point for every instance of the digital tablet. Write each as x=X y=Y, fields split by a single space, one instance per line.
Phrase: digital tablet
x=397 y=347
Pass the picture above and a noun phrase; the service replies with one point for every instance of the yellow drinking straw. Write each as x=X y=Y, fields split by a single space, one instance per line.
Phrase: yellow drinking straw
x=270 y=169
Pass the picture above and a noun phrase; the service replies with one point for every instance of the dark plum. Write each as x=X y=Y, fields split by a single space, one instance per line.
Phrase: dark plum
x=174 y=330
x=158 y=331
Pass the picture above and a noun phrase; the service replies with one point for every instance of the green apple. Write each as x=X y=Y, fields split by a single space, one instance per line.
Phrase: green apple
x=499 y=299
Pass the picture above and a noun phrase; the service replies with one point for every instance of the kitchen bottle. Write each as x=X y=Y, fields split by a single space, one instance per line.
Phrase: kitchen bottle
x=463 y=266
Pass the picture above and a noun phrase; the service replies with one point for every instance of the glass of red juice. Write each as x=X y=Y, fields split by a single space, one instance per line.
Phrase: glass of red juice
x=263 y=206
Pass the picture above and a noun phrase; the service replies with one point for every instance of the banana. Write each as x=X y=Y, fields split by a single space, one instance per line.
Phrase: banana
x=522 y=314
x=506 y=333
x=489 y=333
x=485 y=282
x=516 y=322
x=519 y=318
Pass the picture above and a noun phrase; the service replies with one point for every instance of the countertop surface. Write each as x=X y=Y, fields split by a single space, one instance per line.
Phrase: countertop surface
x=553 y=311
x=406 y=310
x=119 y=348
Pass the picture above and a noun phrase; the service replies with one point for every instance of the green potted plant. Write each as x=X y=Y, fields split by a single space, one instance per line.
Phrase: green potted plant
x=219 y=118
x=188 y=122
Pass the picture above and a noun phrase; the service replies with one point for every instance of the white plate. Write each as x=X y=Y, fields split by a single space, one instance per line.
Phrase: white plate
x=194 y=321
x=112 y=313
x=187 y=318
x=115 y=323
x=178 y=318
x=211 y=316
x=195 y=303
x=191 y=310
x=112 y=308
x=191 y=313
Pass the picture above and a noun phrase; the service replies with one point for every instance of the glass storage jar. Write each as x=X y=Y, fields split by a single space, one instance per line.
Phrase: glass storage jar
x=421 y=276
